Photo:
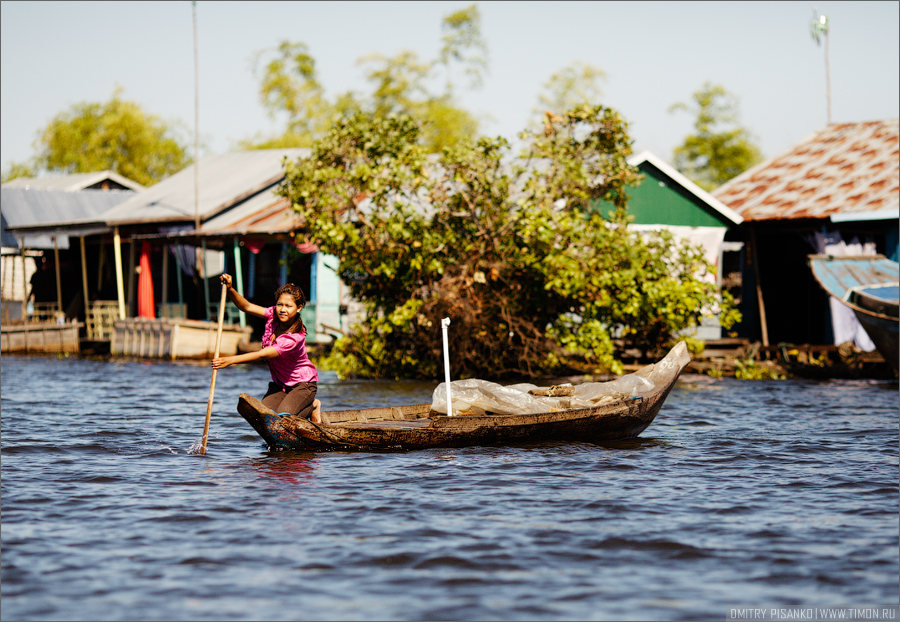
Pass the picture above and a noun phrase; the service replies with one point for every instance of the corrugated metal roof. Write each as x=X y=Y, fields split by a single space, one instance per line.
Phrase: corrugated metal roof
x=844 y=168
x=30 y=208
x=225 y=180
x=57 y=211
x=8 y=239
x=75 y=181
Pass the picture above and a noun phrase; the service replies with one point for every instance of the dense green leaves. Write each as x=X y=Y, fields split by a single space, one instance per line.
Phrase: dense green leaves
x=401 y=85
x=534 y=281
x=720 y=149
x=117 y=135
x=574 y=85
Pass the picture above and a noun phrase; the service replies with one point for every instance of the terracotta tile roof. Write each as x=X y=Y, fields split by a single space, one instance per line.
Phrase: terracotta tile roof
x=843 y=168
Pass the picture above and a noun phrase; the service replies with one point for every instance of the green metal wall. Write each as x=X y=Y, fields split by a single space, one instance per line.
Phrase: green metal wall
x=659 y=200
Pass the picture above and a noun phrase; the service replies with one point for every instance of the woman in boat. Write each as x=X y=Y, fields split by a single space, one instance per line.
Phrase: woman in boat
x=294 y=377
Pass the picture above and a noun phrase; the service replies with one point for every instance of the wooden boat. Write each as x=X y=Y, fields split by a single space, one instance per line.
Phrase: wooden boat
x=869 y=286
x=174 y=338
x=420 y=427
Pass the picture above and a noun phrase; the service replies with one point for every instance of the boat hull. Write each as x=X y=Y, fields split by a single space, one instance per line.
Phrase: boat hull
x=869 y=286
x=884 y=333
x=418 y=427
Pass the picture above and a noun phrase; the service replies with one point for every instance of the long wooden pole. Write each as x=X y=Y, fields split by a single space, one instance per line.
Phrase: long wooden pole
x=754 y=256
x=827 y=77
x=212 y=384
x=58 y=279
x=84 y=278
x=239 y=275
x=26 y=294
x=120 y=287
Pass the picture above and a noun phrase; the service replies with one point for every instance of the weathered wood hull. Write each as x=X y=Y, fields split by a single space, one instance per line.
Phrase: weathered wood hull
x=417 y=427
x=883 y=331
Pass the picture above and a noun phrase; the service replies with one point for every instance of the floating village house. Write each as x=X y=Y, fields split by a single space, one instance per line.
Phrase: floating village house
x=838 y=192
x=245 y=228
x=43 y=273
x=161 y=270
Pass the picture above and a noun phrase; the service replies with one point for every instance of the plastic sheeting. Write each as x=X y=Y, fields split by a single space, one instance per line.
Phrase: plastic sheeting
x=478 y=397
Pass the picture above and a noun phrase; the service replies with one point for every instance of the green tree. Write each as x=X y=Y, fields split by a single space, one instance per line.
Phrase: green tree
x=117 y=135
x=534 y=279
x=400 y=88
x=19 y=169
x=290 y=87
x=574 y=85
x=464 y=45
x=721 y=148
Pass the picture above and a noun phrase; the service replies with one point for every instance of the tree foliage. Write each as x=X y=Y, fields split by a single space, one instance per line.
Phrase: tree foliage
x=401 y=84
x=534 y=280
x=463 y=45
x=720 y=149
x=117 y=135
x=289 y=87
x=574 y=85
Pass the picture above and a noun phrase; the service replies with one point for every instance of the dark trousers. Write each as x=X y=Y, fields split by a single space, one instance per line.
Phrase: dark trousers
x=295 y=400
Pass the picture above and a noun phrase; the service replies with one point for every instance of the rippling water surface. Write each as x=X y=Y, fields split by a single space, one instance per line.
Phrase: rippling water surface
x=741 y=494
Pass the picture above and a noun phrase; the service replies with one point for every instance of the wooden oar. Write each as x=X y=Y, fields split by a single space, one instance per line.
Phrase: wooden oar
x=212 y=384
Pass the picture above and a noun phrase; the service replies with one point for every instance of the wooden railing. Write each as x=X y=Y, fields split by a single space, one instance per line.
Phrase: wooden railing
x=172 y=310
x=100 y=318
x=43 y=312
x=232 y=313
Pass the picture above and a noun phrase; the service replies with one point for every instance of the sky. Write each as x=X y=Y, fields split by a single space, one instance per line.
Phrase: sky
x=56 y=54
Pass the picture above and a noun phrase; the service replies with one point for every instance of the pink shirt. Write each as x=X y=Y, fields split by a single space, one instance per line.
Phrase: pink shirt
x=292 y=365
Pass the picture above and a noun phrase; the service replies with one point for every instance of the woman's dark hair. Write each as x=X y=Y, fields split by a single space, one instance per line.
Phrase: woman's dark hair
x=300 y=299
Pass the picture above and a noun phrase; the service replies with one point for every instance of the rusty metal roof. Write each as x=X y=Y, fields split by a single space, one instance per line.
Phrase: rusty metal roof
x=272 y=216
x=841 y=169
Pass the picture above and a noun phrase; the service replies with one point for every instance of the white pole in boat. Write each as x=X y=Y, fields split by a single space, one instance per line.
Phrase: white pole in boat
x=444 y=324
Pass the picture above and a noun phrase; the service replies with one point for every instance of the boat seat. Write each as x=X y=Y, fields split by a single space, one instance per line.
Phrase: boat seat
x=389 y=413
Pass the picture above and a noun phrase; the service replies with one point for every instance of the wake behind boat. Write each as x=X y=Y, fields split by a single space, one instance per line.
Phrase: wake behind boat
x=619 y=410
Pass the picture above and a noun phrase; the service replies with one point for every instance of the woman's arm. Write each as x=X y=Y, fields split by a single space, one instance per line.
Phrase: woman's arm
x=225 y=361
x=240 y=302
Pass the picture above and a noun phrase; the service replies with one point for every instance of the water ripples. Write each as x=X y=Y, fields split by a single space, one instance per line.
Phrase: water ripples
x=740 y=494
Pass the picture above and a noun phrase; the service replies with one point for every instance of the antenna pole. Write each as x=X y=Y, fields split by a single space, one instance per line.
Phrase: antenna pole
x=819 y=27
x=196 y=125
x=827 y=76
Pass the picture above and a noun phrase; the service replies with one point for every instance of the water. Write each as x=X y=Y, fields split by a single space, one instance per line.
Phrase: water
x=741 y=494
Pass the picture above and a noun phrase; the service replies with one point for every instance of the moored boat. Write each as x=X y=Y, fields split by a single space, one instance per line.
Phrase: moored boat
x=869 y=286
x=617 y=414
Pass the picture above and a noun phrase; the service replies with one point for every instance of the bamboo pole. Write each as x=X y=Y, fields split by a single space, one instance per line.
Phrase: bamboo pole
x=25 y=293
x=164 y=295
x=239 y=275
x=759 y=295
x=131 y=252
x=84 y=278
x=59 y=302
x=212 y=384
x=120 y=282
